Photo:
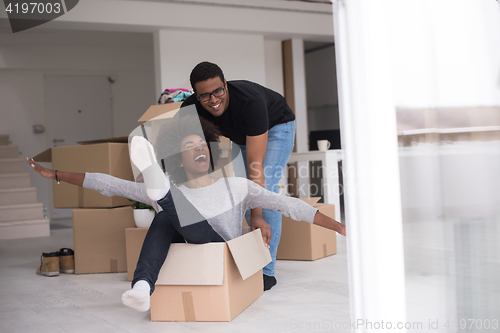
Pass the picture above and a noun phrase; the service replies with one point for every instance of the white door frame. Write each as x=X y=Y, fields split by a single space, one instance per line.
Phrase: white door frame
x=371 y=166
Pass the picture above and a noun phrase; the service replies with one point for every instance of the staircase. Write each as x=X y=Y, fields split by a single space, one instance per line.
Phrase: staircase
x=21 y=216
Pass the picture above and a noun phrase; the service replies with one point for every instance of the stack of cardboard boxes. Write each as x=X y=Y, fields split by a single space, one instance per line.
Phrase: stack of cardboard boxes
x=99 y=222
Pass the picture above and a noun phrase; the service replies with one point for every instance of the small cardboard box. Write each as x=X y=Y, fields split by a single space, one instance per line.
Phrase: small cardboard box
x=161 y=111
x=99 y=239
x=134 y=237
x=210 y=282
x=305 y=241
x=109 y=156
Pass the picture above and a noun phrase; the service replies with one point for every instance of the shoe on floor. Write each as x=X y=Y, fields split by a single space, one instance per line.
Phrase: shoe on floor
x=269 y=282
x=66 y=261
x=49 y=264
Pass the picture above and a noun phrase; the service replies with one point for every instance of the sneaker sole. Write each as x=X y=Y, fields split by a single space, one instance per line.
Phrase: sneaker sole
x=67 y=271
x=48 y=273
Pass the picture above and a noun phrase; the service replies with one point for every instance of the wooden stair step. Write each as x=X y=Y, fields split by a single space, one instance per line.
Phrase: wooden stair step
x=14 y=180
x=25 y=229
x=13 y=196
x=9 y=151
x=11 y=165
x=21 y=212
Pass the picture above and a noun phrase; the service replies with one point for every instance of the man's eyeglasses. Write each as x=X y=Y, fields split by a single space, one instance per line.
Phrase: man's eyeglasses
x=219 y=92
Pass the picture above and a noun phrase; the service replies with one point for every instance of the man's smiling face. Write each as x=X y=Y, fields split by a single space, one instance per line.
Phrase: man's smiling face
x=213 y=95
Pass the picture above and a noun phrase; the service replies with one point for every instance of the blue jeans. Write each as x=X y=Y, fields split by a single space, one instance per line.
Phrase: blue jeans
x=280 y=141
x=165 y=230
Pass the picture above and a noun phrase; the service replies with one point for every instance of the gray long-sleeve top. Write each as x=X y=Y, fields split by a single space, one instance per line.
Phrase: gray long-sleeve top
x=223 y=203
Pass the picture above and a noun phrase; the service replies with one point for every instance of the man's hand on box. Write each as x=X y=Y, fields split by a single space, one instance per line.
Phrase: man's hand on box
x=257 y=222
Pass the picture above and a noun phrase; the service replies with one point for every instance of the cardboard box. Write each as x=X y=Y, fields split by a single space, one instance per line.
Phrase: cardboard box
x=305 y=241
x=99 y=239
x=210 y=282
x=161 y=111
x=109 y=156
x=134 y=237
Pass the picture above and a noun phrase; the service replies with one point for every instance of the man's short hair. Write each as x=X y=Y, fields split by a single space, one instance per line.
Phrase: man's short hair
x=203 y=71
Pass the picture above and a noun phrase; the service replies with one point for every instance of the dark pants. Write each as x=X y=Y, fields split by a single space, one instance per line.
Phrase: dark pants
x=165 y=230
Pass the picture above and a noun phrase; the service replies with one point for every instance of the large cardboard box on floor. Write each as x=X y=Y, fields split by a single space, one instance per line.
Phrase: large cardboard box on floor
x=99 y=239
x=210 y=282
x=134 y=237
x=109 y=156
x=305 y=241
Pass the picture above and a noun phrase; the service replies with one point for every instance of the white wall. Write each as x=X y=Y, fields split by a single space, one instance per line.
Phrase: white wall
x=26 y=58
x=321 y=84
x=176 y=53
x=274 y=65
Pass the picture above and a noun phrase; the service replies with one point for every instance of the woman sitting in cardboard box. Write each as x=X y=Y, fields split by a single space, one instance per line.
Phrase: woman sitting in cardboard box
x=220 y=201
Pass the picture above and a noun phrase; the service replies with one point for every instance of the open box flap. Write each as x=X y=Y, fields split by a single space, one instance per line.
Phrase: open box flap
x=193 y=264
x=119 y=139
x=311 y=201
x=249 y=253
x=44 y=156
x=155 y=111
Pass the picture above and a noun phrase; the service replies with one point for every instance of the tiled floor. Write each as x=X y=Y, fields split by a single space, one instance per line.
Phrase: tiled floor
x=309 y=296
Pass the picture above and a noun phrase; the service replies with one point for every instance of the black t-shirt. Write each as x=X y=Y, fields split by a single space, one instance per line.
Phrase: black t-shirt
x=253 y=109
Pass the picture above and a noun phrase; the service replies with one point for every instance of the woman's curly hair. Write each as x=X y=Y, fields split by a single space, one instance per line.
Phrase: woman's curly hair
x=170 y=136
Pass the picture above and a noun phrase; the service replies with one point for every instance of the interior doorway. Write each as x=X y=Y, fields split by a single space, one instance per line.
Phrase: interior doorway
x=78 y=108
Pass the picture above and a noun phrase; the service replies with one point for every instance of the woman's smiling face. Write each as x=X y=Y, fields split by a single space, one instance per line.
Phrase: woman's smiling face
x=195 y=156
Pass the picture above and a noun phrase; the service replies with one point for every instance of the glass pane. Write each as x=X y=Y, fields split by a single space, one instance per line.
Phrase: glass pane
x=450 y=191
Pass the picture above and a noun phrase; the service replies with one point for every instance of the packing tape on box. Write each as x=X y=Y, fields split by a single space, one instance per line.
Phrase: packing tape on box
x=113 y=265
x=325 y=252
x=187 y=302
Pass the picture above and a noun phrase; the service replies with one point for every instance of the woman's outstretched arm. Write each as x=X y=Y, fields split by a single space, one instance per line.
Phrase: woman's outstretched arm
x=326 y=222
x=68 y=177
x=292 y=207
x=105 y=184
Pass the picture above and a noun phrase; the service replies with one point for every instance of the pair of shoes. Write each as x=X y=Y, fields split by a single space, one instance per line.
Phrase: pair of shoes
x=269 y=282
x=52 y=263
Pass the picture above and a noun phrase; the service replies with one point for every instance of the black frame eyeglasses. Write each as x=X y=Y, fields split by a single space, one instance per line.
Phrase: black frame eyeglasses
x=219 y=92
